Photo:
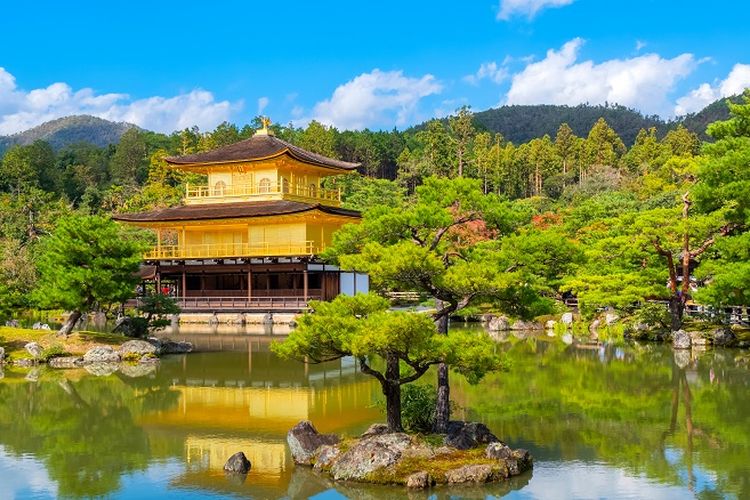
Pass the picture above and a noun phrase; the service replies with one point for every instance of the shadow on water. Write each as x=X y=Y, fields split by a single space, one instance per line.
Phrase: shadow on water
x=592 y=414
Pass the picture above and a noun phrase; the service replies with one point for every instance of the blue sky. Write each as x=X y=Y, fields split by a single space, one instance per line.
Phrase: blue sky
x=361 y=64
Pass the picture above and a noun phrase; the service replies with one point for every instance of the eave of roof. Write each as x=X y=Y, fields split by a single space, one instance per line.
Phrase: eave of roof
x=257 y=148
x=218 y=211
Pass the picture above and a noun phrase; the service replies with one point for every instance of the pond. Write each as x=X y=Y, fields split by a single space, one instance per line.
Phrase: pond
x=602 y=421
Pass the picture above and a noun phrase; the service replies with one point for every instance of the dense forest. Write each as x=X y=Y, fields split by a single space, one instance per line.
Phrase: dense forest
x=629 y=218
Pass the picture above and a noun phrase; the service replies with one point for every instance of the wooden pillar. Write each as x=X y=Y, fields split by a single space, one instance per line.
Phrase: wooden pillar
x=304 y=284
x=184 y=284
x=158 y=242
x=184 y=242
x=249 y=284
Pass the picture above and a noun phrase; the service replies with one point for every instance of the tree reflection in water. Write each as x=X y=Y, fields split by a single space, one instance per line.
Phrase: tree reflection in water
x=674 y=420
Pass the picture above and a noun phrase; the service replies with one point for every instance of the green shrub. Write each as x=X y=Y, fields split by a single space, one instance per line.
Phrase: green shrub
x=418 y=407
x=53 y=351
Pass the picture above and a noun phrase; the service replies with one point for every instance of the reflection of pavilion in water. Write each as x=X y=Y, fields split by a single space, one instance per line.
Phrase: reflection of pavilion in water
x=248 y=401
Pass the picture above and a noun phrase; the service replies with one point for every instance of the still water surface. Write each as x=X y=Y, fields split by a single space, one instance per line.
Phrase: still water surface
x=607 y=421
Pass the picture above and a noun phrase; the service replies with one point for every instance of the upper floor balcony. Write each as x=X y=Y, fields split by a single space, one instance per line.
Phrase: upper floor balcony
x=232 y=250
x=220 y=192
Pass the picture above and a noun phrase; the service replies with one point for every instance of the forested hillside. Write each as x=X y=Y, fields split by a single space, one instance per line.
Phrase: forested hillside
x=522 y=123
x=69 y=130
x=624 y=208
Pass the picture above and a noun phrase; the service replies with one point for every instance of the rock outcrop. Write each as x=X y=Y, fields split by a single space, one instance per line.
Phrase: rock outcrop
x=101 y=354
x=138 y=348
x=237 y=464
x=304 y=440
x=466 y=435
x=368 y=455
x=567 y=318
x=526 y=325
x=419 y=480
x=475 y=455
x=176 y=347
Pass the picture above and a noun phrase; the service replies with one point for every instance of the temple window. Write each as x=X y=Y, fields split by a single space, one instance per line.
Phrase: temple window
x=264 y=186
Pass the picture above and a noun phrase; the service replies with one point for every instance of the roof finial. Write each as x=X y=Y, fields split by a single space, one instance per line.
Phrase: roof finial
x=265 y=122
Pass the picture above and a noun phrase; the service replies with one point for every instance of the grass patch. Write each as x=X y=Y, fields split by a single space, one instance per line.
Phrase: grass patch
x=436 y=466
x=14 y=340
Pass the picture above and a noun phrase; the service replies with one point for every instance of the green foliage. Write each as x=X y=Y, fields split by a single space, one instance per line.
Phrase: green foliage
x=87 y=263
x=418 y=407
x=53 y=351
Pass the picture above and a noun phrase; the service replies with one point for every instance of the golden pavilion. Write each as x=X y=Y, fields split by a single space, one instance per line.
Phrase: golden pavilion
x=249 y=239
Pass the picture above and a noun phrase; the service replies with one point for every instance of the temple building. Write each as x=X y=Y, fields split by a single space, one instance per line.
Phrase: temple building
x=249 y=239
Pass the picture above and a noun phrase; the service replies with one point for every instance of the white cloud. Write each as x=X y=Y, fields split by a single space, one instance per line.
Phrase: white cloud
x=528 y=8
x=642 y=82
x=21 y=109
x=491 y=71
x=735 y=83
x=262 y=103
x=378 y=97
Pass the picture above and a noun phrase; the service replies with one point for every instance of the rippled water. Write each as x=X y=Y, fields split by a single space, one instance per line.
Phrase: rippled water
x=602 y=421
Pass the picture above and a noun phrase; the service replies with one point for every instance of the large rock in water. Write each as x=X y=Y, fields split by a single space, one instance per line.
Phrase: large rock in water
x=465 y=435
x=2 y=355
x=172 y=347
x=479 y=473
x=681 y=340
x=418 y=481
x=101 y=354
x=723 y=337
x=304 y=440
x=138 y=348
x=368 y=455
x=238 y=464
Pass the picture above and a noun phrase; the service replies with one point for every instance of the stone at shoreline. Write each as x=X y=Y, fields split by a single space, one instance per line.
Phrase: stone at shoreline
x=723 y=337
x=368 y=455
x=325 y=456
x=34 y=350
x=550 y=324
x=418 y=481
x=567 y=318
x=101 y=369
x=237 y=464
x=138 y=348
x=2 y=355
x=40 y=326
x=526 y=325
x=101 y=354
x=499 y=451
x=172 y=347
x=611 y=319
x=498 y=324
x=65 y=362
x=478 y=473
x=523 y=457
x=304 y=440
x=466 y=435
x=681 y=340
x=375 y=430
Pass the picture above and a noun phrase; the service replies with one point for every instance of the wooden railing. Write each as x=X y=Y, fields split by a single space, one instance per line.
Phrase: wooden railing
x=260 y=190
x=263 y=303
x=225 y=250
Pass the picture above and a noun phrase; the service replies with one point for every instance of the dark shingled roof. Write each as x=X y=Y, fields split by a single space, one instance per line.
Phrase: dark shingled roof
x=258 y=147
x=231 y=211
